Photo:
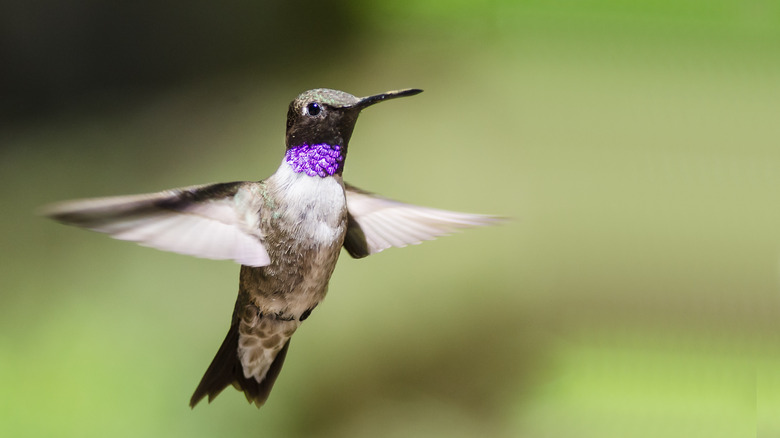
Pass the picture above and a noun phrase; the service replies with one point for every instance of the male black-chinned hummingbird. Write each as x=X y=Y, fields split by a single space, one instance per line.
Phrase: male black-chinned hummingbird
x=286 y=232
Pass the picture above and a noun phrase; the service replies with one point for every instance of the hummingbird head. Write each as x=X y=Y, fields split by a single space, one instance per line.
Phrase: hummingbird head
x=320 y=124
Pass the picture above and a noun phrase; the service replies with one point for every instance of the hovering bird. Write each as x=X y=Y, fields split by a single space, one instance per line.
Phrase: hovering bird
x=286 y=232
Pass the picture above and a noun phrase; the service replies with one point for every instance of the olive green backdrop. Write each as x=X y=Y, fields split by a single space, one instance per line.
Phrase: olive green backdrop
x=633 y=144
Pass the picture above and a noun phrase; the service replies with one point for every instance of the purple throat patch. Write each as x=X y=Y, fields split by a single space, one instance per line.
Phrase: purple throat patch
x=316 y=159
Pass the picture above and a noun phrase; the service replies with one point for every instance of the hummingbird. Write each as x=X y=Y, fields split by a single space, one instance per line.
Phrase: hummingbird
x=286 y=232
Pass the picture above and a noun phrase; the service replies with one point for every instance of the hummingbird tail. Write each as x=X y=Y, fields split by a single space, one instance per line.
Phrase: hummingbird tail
x=226 y=369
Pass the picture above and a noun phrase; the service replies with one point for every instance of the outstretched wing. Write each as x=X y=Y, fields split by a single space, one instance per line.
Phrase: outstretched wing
x=376 y=223
x=216 y=221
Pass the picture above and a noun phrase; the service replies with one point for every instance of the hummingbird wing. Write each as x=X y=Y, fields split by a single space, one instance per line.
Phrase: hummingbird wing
x=215 y=221
x=375 y=223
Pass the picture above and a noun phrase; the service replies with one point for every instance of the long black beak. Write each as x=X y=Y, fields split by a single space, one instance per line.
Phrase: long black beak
x=370 y=100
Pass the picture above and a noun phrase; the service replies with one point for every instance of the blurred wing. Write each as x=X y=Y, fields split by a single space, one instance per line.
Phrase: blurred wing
x=217 y=221
x=376 y=223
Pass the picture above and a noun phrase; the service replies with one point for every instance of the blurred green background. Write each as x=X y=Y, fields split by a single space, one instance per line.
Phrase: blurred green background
x=634 y=144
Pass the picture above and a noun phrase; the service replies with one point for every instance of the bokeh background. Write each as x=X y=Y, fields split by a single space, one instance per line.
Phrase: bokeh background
x=634 y=144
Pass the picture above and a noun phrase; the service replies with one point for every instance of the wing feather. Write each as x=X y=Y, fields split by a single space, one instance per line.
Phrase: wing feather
x=203 y=221
x=387 y=223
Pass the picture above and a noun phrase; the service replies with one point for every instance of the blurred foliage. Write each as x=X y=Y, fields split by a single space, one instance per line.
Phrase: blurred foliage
x=635 y=292
x=54 y=53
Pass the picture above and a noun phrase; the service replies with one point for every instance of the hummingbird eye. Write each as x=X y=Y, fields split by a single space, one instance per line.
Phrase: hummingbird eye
x=313 y=109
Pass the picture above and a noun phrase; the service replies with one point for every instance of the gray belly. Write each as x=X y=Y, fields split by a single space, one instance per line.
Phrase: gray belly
x=295 y=282
x=304 y=233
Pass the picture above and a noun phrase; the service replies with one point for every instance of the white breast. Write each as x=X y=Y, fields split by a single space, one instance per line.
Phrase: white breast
x=315 y=204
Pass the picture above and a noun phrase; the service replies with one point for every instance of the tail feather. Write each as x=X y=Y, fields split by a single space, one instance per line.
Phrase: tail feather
x=226 y=369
